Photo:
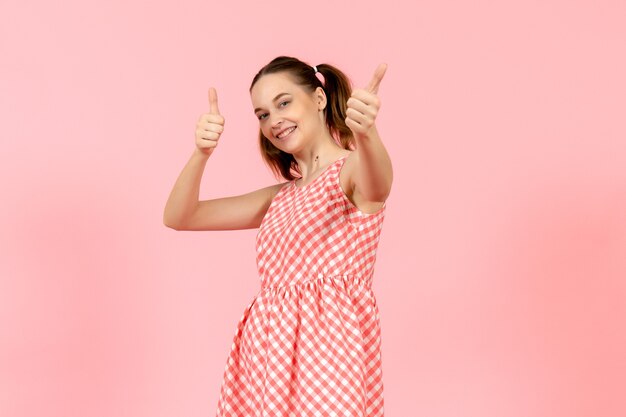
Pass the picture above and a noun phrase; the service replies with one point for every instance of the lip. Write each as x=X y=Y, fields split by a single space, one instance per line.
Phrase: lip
x=282 y=130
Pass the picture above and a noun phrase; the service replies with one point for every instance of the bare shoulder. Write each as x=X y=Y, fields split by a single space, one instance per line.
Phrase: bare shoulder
x=346 y=181
x=271 y=191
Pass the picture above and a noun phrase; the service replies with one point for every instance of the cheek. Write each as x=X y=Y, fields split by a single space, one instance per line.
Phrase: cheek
x=267 y=132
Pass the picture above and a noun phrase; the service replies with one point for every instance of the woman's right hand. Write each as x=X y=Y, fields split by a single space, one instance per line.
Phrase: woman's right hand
x=210 y=126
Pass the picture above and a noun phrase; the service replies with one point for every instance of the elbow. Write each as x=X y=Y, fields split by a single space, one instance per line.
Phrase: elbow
x=170 y=223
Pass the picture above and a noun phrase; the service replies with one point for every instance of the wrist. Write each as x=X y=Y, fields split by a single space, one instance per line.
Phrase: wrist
x=198 y=153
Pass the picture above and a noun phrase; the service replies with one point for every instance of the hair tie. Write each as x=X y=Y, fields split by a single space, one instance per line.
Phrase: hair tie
x=320 y=76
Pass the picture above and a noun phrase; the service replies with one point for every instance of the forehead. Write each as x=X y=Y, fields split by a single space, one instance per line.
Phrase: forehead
x=270 y=85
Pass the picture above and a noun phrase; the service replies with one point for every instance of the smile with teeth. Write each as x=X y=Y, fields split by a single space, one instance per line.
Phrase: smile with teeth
x=286 y=132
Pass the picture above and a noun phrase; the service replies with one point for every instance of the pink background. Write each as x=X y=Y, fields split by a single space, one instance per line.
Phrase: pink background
x=501 y=274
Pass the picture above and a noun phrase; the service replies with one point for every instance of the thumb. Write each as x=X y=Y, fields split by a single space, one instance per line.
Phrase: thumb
x=213 y=101
x=376 y=79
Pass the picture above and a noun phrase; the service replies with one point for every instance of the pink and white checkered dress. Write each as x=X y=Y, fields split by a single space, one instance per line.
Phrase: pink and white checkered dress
x=309 y=342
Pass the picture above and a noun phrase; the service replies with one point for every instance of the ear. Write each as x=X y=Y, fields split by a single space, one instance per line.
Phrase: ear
x=319 y=96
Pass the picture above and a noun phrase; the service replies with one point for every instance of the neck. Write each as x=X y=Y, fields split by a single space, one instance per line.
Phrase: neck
x=318 y=156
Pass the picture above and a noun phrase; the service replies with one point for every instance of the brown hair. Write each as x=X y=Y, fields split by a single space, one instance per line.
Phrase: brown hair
x=338 y=89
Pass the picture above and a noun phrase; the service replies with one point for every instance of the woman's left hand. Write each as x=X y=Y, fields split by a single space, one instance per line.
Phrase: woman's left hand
x=363 y=106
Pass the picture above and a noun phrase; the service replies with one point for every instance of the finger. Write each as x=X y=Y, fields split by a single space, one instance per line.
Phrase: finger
x=213 y=101
x=356 y=117
x=359 y=106
x=213 y=118
x=378 y=76
x=213 y=127
x=355 y=127
x=208 y=135
x=364 y=96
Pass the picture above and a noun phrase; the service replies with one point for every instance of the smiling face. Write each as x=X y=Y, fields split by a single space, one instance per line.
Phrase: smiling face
x=281 y=105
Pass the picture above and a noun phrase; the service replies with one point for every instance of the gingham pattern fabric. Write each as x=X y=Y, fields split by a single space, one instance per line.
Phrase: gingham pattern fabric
x=308 y=344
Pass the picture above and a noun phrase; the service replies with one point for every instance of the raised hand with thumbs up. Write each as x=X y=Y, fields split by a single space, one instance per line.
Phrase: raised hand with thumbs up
x=373 y=171
x=210 y=126
x=363 y=106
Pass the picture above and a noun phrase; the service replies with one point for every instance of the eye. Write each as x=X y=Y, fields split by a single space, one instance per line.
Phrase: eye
x=260 y=117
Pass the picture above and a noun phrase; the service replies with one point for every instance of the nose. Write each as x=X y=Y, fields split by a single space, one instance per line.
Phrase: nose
x=275 y=123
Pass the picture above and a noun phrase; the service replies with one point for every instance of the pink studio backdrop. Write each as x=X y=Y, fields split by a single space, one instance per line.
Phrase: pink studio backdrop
x=501 y=273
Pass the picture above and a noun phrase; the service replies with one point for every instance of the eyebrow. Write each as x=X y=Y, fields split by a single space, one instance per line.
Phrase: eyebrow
x=275 y=98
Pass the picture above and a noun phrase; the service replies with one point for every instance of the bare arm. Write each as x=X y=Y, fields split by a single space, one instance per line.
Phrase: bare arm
x=373 y=174
x=183 y=211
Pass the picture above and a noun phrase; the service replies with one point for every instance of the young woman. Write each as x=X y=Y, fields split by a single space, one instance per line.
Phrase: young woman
x=308 y=344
